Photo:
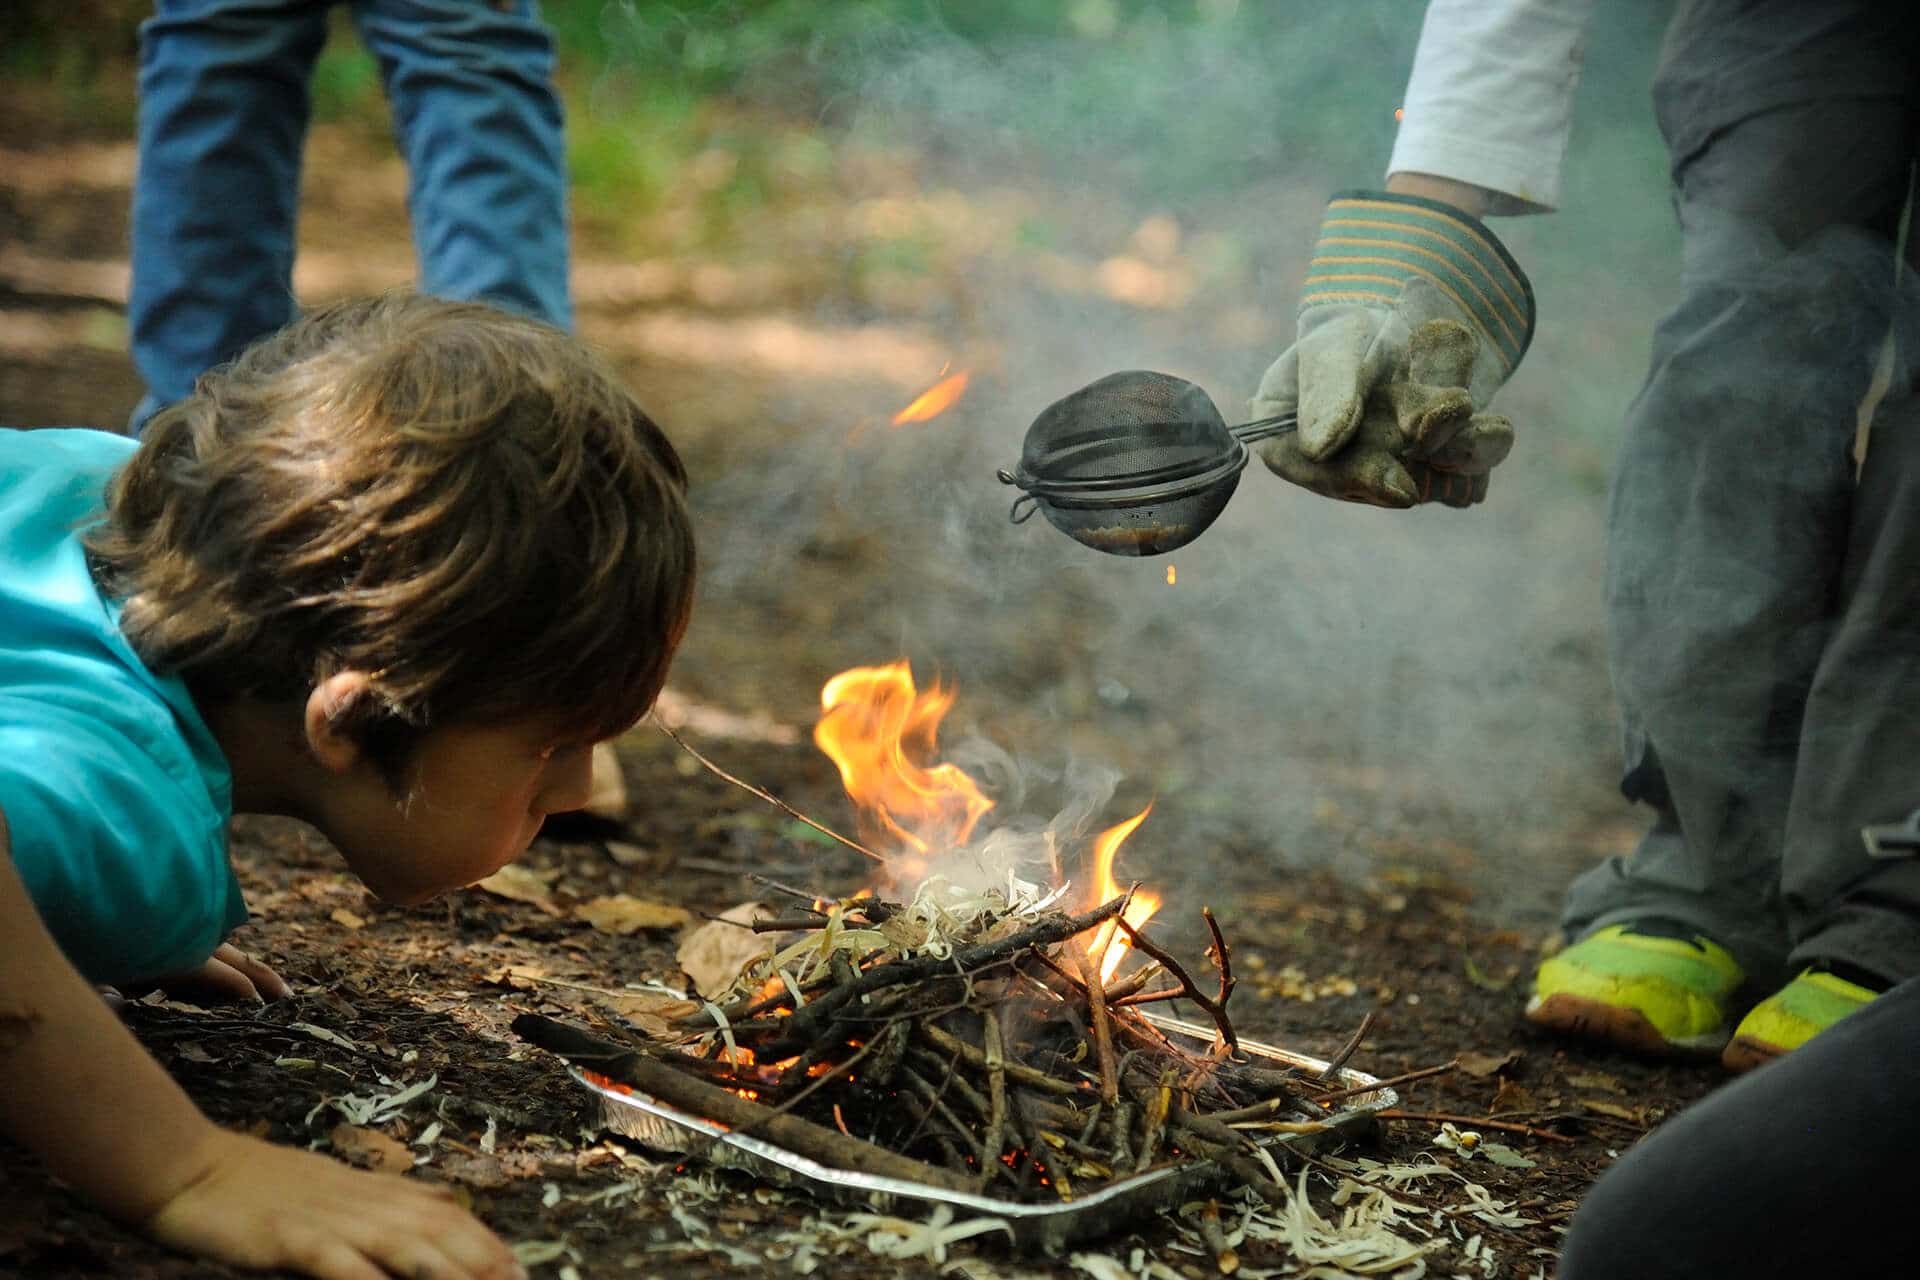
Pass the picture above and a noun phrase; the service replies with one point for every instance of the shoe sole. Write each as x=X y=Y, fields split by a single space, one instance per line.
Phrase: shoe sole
x=1615 y=1025
x=1744 y=1053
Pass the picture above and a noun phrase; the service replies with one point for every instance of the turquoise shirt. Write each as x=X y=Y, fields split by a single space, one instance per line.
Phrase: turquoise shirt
x=116 y=794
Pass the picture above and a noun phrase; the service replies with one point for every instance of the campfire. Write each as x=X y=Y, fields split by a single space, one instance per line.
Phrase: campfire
x=963 y=1031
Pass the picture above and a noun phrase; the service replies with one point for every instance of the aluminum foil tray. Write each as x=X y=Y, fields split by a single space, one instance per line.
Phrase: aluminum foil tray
x=1032 y=1226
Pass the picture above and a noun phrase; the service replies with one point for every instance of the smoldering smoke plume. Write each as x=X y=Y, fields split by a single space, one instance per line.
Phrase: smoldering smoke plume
x=1346 y=683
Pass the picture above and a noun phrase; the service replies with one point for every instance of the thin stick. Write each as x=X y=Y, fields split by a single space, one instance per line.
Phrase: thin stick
x=1332 y=1070
x=1221 y=956
x=1405 y=1078
x=1102 y=1025
x=1477 y=1122
x=1215 y=1008
x=1156 y=1119
x=768 y=796
x=996 y=1135
x=674 y=1086
x=1016 y=1070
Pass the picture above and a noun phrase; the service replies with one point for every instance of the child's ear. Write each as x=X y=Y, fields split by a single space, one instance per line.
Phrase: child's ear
x=329 y=712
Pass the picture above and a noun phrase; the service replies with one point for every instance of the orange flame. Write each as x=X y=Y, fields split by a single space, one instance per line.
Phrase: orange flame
x=1106 y=888
x=934 y=401
x=873 y=722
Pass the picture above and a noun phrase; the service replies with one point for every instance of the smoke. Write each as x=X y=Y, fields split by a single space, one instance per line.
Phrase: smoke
x=1339 y=684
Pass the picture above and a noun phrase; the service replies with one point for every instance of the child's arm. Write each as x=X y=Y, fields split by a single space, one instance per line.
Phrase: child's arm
x=76 y=1088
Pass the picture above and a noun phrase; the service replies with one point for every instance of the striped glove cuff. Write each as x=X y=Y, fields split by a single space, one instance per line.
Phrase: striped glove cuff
x=1372 y=245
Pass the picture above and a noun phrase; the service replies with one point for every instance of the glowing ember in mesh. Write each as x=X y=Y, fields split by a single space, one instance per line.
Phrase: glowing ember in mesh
x=965 y=1029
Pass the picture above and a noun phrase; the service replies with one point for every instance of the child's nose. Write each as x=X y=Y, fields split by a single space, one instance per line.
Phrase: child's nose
x=569 y=781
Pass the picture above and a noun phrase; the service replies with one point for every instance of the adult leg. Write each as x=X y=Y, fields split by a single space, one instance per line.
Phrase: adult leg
x=223 y=116
x=1799 y=1169
x=477 y=117
x=1860 y=746
x=1730 y=504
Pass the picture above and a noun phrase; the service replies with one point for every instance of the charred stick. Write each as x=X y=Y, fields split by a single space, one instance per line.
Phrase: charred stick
x=1266 y=1110
x=1222 y=958
x=1331 y=1071
x=1132 y=983
x=1120 y=1141
x=934 y=1097
x=1155 y=1124
x=676 y=1087
x=996 y=1135
x=1102 y=1026
x=1224 y=1258
x=807 y=1022
x=1225 y=1147
x=1149 y=997
x=1406 y=1077
x=785 y=924
x=1215 y=1008
x=1093 y=1122
x=947 y=1042
x=928 y=1061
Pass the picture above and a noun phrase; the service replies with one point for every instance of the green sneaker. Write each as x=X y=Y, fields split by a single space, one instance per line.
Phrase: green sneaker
x=1791 y=1016
x=1640 y=987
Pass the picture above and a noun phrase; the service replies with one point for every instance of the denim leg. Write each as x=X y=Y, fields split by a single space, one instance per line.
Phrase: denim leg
x=1728 y=517
x=223 y=116
x=477 y=117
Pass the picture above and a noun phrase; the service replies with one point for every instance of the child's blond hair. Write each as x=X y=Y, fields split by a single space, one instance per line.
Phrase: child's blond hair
x=464 y=503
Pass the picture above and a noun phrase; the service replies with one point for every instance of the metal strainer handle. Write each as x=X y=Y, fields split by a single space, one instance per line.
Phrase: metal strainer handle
x=1262 y=428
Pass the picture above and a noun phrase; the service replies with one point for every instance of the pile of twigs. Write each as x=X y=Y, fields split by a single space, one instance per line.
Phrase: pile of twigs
x=979 y=1052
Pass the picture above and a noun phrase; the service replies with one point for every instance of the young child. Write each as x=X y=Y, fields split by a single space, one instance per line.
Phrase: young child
x=393 y=572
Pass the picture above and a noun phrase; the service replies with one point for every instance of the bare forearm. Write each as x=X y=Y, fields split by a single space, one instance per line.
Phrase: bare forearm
x=1463 y=196
x=75 y=1086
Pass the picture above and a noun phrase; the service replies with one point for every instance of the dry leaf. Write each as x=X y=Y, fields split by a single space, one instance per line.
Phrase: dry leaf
x=1632 y=1115
x=1510 y=1097
x=652 y=1013
x=622 y=913
x=1482 y=1065
x=627 y=855
x=346 y=919
x=476 y=1170
x=369 y=1148
x=1595 y=1080
x=518 y=883
x=714 y=954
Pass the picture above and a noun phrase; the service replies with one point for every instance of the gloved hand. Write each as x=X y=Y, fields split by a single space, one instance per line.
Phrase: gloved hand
x=1384 y=419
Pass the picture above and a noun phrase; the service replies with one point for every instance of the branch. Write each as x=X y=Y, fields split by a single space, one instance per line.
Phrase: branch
x=768 y=796
x=1215 y=1008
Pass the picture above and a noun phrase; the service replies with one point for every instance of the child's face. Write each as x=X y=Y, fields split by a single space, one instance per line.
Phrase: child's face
x=474 y=799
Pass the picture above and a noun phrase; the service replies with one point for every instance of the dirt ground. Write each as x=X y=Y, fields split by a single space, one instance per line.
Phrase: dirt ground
x=390 y=998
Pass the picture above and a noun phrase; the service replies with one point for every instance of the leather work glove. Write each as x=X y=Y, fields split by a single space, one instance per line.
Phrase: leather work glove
x=1385 y=419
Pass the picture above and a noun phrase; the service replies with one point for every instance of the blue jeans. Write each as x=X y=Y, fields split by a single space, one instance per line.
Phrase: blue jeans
x=224 y=108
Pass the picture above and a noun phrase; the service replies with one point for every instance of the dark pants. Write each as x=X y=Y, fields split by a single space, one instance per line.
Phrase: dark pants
x=1764 y=599
x=1802 y=1168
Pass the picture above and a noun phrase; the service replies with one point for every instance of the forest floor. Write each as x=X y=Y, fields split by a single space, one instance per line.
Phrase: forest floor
x=391 y=999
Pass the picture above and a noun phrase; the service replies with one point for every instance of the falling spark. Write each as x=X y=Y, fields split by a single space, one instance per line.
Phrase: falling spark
x=1171 y=576
x=934 y=401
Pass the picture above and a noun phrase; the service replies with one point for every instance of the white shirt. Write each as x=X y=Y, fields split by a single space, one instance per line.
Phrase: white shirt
x=1490 y=99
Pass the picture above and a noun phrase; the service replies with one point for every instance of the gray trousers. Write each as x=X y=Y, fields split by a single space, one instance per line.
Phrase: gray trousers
x=1763 y=595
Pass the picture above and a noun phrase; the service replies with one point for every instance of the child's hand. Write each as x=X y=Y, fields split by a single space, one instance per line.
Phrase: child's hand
x=228 y=974
x=258 y=1205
